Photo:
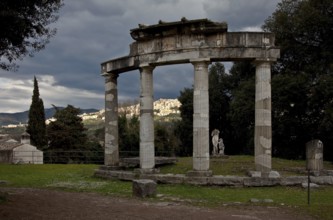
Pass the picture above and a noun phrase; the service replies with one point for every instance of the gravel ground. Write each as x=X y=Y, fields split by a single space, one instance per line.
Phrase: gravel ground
x=26 y=203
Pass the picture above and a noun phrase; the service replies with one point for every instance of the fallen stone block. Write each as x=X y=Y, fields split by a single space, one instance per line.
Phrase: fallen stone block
x=268 y=201
x=254 y=173
x=144 y=188
x=322 y=180
x=312 y=185
x=274 y=174
x=253 y=200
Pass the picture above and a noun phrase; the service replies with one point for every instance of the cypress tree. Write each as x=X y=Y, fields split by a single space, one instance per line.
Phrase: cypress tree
x=36 y=124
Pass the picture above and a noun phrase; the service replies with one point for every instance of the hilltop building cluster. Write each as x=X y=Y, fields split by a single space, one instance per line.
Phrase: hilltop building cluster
x=162 y=108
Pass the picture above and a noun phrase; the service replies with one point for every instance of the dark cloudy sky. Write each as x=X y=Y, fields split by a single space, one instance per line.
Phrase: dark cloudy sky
x=93 y=31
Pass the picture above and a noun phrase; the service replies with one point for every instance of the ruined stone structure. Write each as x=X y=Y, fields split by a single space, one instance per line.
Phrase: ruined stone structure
x=198 y=42
x=314 y=156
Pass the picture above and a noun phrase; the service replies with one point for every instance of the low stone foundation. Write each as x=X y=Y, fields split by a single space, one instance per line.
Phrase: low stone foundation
x=215 y=180
x=195 y=173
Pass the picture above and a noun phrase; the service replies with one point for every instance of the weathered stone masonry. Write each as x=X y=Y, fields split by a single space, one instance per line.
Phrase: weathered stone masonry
x=147 y=147
x=111 y=156
x=198 y=42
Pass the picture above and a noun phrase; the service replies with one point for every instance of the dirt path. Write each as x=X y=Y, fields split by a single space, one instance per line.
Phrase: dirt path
x=49 y=204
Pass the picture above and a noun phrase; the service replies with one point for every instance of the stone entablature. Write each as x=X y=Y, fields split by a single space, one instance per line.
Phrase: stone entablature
x=180 y=46
x=184 y=26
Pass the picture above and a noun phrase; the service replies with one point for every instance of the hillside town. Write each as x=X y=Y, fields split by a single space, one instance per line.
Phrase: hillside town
x=162 y=108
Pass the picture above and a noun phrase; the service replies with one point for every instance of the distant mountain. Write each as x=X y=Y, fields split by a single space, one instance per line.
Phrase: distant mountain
x=22 y=117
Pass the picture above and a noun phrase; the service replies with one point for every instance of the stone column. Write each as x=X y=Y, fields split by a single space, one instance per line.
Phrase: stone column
x=111 y=156
x=263 y=119
x=201 y=117
x=147 y=147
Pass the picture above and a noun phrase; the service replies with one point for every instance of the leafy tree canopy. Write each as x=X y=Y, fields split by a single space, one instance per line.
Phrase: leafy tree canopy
x=67 y=132
x=25 y=28
x=303 y=30
x=302 y=94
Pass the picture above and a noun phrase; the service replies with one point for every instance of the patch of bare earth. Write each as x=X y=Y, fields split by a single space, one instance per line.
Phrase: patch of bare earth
x=50 y=204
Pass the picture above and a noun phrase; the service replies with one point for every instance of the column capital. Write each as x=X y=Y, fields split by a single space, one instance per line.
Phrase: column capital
x=200 y=60
x=260 y=61
x=146 y=66
x=112 y=75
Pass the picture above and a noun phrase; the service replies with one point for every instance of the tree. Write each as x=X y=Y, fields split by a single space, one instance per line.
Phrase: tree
x=290 y=118
x=184 y=128
x=219 y=98
x=303 y=30
x=36 y=124
x=129 y=137
x=165 y=141
x=241 y=114
x=25 y=28
x=67 y=133
x=301 y=84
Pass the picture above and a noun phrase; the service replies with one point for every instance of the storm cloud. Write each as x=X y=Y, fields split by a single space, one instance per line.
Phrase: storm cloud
x=90 y=32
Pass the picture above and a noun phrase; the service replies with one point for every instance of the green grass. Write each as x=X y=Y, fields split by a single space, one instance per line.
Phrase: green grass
x=80 y=178
x=71 y=177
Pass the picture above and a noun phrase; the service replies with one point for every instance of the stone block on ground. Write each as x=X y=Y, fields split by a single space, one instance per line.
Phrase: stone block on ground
x=273 y=174
x=328 y=172
x=144 y=188
x=254 y=173
x=312 y=185
x=322 y=180
x=253 y=200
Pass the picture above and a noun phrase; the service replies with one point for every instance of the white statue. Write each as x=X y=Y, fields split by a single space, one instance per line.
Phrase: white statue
x=221 y=146
x=215 y=141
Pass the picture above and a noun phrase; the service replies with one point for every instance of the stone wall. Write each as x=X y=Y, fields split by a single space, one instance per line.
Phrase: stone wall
x=217 y=180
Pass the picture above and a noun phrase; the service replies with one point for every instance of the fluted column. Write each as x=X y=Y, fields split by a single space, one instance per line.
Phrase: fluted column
x=147 y=147
x=111 y=155
x=263 y=118
x=200 y=116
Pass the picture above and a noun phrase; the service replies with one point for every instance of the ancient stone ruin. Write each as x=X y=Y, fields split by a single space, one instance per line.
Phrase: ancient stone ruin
x=314 y=156
x=198 y=42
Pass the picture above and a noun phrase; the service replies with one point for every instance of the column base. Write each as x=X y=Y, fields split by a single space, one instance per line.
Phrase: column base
x=270 y=174
x=197 y=173
x=315 y=172
x=217 y=156
x=146 y=171
x=110 y=167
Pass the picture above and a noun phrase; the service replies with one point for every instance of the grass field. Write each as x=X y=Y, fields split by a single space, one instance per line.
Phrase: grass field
x=80 y=178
